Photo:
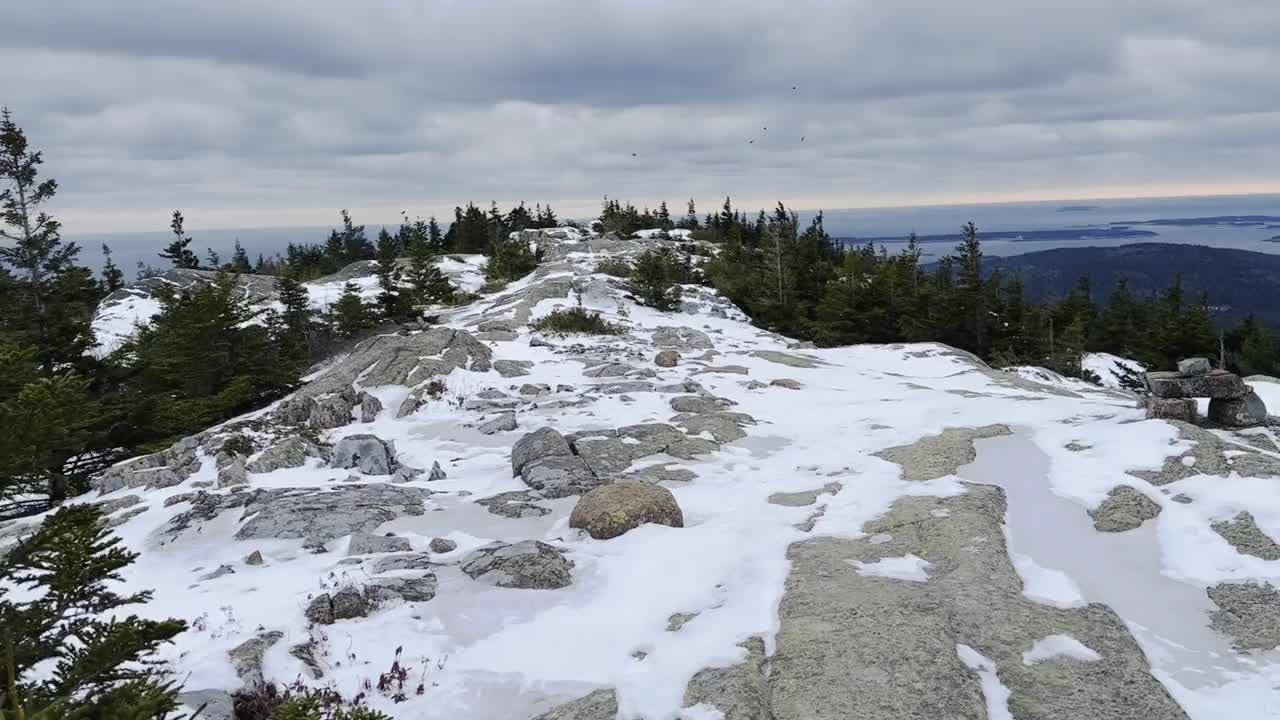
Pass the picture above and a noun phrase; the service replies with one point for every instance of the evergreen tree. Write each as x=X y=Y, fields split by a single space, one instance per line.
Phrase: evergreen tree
x=178 y=252
x=66 y=619
x=215 y=260
x=53 y=299
x=970 y=286
x=654 y=279
x=112 y=276
x=435 y=240
x=350 y=313
x=429 y=285
x=391 y=302
x=510 y=259
x=298 y=328
x=207 y=357
x=240 y=259
x=469 y=233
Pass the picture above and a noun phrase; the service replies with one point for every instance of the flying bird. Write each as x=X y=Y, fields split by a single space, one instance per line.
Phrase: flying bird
x=793 y=87
x=801 y=138
x=766 y=128
x=633 y=155
x=751 y=142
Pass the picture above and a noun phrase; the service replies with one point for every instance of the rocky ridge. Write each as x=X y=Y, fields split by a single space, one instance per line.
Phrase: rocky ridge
x=693 y=517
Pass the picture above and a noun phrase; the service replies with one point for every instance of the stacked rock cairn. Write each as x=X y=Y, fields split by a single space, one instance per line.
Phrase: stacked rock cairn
x=1232 y=403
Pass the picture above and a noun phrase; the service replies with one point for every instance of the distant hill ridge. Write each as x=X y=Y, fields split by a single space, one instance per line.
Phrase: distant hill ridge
x=1239 y=282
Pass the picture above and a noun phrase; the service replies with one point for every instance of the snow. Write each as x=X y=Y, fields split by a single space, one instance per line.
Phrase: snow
x=515 y=653
x=907 y=567
x=1053 y=647
x=1104 y=365
x=115 y=324
x=993 y=691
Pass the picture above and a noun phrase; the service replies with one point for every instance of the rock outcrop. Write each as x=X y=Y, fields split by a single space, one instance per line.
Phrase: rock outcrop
x=530 y=564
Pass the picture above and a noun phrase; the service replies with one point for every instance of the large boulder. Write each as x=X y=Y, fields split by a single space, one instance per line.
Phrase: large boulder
x=1158 y=408
x=315 y=516
x=1123 y=509
x=541 y=443
x=681 y=338
x=1216 y=384
x=368 y=452
x=666 y=358
x=1247 y=411
x=512 y=368
x=611 y=510
x=557 y=476
x=529 y=564
x=370 y=406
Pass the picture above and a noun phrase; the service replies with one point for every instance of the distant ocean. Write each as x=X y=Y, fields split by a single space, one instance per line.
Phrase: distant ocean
x=1243 y=222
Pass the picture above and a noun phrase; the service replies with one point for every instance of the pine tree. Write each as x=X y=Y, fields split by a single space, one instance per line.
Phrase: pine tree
x=240 y=259
x=213 y=258
x=350 y=313
x=98 y=661
x=510 y=259
x=112 y=276
x=178 y=252
x=970 y=286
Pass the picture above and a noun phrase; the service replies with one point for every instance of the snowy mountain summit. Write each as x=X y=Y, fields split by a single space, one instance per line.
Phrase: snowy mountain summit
x=696 y=518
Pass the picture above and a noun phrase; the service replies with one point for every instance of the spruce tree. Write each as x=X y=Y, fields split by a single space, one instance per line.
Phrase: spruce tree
x=66 y=619
x=112 y=276
x=350 y=313
x=654 y=278
x=55 y=298
x=391 y=301
x=435 y=240
x=429 y=285
x=970 y=287
x=510 y=259
x=240 y=259
x=178 y=252
x=298 y=327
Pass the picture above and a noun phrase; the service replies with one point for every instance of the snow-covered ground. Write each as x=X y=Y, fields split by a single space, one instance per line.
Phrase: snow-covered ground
x=489 y=652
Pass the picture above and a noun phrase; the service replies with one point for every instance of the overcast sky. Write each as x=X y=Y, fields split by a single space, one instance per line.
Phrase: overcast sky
x=278 y=113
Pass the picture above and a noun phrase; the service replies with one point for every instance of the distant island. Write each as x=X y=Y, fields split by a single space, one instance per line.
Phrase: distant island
x=1274 y=238
x=1229 y=220
x=1087 y=233
x=1077 y=208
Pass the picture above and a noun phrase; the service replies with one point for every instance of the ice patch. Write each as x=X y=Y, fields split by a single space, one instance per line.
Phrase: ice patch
x=993 y=691
x=1059 y=646
x=906 y=567
x=1045 y=585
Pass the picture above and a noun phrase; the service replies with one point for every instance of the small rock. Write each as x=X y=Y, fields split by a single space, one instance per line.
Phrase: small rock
x=611 y=510
x=255 y=558
x=1194 y=366
x=530 y=564
x=666 y=358
x=1243 y=533
x=564 y=388
x=787 y=359
x=403 y=474
x=787 y=383
x=1249 y=613
x=1124 y=508
x=109 y=506
x=678 y=620
x=558 y=476
x=496 y=326
x=730 y=369
x=320 y=610
x=246 y=657
x=222 y=570
x=442 y=545
x=437 y=472
x=367 y=543
x=537 y=341
x=306 y=652
x=512 y=368
x=599 y=705
x=515 y=505
x=210 y=704
x=608 y=370
x=410 y=589
x=503 y=423
x=233 y=474
x=349 y=603
x=370 y=406
x=535 y=389
x=698 y=404
x=179 y=498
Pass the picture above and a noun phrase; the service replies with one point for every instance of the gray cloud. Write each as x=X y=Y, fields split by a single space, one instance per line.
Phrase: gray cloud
x=247 y=113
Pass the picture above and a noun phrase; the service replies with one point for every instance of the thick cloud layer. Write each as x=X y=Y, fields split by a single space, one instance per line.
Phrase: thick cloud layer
x=248 y=113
